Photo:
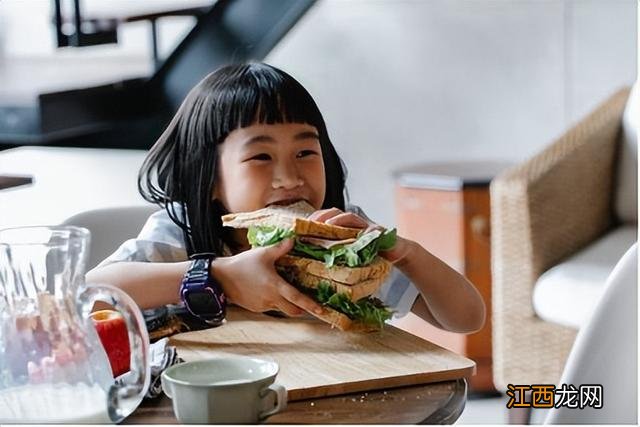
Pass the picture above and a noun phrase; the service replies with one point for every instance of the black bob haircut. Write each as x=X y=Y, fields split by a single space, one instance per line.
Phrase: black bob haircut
x=181 y=167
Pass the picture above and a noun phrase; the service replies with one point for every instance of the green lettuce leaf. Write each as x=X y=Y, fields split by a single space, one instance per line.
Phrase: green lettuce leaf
x=311 y=251
x=368 y=310
x=360 y=253
x=387 y=240
x=267 y=235
x=363 y=240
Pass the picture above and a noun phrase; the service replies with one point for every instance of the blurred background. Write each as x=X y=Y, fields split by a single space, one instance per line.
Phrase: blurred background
x=405 y=81
x=433 y=96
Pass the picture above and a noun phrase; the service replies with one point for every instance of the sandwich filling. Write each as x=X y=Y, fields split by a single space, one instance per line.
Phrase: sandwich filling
x=368 y=310
x=349 y=252
x=356 y=252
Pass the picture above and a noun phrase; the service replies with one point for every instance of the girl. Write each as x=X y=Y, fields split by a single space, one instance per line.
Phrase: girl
x=248 y=136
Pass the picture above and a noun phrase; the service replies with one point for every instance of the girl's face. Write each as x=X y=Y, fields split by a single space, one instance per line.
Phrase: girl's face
x=265 y=164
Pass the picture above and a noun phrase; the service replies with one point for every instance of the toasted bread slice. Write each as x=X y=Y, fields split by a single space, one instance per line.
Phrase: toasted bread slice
x=354 y=292
x=290 y=217
x=347 y=275
x=342 y=321
x=280 y=216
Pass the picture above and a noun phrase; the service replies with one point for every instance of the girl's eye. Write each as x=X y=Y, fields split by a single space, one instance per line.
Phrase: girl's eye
x=262 y=156
x=306 y=153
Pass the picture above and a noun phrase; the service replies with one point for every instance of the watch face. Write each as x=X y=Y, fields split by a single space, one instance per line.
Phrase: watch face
x=203 y=303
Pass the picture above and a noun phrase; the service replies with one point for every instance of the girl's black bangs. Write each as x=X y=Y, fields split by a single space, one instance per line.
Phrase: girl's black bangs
x=258 y=100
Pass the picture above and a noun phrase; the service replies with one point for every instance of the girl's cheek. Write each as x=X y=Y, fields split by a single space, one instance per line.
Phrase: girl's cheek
x=239 y=190
x=254 y=184
x=256 y=176
x=315 y=178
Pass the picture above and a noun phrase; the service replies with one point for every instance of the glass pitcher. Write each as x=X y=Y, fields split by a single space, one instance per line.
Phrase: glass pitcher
x=53 y=368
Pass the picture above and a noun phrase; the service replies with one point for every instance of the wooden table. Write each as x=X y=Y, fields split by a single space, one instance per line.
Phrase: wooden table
x=393 y=377
x=436 y=403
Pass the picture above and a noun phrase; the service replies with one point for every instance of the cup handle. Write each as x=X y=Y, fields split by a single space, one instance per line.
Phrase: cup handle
x=274 y=397
x=126 y=397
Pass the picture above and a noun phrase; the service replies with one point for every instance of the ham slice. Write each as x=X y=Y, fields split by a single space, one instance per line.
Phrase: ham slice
x=325 y=243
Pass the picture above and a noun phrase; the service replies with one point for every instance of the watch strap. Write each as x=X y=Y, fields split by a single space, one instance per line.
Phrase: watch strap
x=198 y=279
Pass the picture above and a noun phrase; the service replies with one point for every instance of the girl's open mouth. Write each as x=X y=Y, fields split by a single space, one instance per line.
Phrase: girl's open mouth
x=285 y=202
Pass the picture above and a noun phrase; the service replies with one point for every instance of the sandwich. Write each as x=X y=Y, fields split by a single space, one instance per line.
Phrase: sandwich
x=337 y=266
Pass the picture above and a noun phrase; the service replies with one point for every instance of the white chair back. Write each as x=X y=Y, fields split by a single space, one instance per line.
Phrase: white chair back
x=626 y=188
x=606 y=352
x=110 y=227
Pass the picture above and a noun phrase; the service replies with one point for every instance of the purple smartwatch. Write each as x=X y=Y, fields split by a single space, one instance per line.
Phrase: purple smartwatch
x=202 y=294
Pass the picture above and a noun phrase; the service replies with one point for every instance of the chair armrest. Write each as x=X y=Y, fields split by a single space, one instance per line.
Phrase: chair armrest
x=561 y=199
x=541 y=212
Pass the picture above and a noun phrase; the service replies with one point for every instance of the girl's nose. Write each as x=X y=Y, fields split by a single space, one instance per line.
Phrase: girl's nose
x=286 y=176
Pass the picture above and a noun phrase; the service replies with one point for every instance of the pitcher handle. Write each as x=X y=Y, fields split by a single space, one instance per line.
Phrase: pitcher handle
x=125 y=397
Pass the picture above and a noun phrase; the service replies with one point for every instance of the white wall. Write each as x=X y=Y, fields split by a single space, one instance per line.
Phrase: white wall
x=399 y=81
x=409 y=81
x=30 y=62
x=28 y=28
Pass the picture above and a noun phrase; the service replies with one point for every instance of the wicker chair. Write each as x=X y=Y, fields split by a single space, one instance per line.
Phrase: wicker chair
x=543 y=211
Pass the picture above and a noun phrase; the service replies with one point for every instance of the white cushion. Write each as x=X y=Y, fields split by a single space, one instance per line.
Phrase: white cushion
x=567 y=293
x=626 y=203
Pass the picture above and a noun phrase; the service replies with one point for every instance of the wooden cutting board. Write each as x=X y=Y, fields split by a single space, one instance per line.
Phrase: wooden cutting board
x=317 y=361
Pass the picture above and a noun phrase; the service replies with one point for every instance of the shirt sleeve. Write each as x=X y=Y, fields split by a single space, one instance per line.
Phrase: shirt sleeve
x=160 y=240
x=397 y=292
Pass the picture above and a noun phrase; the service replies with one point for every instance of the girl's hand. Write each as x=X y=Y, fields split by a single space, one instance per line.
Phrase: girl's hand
x=396 y=255
x=249 y=279
x=399 y=253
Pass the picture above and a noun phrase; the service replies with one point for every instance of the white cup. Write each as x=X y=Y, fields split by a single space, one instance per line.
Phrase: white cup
x=226 y=390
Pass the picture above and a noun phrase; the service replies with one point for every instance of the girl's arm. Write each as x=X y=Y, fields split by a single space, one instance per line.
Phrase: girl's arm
x=448 y=300
x=249 y=279
x=149 y=284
